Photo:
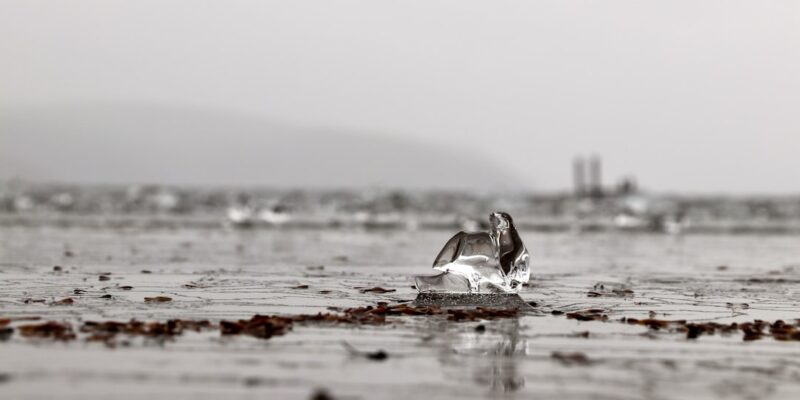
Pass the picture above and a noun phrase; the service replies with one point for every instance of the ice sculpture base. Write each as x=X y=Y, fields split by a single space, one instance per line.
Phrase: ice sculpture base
x=489 y=300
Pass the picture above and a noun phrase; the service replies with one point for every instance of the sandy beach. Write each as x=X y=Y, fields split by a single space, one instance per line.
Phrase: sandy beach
x=225 y=274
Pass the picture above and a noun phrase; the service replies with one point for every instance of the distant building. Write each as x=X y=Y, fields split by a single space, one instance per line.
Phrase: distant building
x=593 y=188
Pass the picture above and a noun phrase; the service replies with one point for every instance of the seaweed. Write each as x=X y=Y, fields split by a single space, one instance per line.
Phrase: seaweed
x=157 y=299
x=755 y=330
x=48 y=330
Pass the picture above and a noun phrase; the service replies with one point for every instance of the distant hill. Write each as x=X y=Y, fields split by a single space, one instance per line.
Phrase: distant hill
x=139 y=144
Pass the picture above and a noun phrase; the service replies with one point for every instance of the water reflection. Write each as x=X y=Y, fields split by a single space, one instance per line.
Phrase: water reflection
x=487 y=353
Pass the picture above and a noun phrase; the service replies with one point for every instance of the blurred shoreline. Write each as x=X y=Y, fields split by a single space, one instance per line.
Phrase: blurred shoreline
x=166 y=206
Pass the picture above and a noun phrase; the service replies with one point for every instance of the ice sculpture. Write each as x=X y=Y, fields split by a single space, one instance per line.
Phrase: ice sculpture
x=481 y=262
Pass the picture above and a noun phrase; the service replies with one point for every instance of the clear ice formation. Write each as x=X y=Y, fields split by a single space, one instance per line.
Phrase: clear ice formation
x=481 y=262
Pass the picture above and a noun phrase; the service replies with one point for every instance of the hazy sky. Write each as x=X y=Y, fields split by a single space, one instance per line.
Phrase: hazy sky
x=699 y=96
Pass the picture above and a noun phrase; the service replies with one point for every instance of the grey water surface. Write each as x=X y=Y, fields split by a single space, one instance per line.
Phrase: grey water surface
x=238 y=273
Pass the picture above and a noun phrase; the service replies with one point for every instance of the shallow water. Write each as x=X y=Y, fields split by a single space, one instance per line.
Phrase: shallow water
x=240 y=273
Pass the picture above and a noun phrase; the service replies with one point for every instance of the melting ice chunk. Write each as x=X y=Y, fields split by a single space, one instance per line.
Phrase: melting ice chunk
x=481 y=262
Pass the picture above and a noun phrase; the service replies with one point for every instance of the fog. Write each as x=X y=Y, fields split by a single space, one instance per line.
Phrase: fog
x=690 y=96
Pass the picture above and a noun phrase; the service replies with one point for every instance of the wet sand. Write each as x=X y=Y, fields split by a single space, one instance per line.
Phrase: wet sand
x=218 y=274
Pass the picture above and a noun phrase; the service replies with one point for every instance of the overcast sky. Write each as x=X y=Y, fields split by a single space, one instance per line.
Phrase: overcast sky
x=697 y=96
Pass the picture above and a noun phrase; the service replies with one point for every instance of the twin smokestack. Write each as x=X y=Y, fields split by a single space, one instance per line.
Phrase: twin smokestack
x=595 y=185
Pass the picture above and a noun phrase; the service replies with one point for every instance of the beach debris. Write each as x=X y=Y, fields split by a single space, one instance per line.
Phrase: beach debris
x=267 y=326
x=480 y=313
x=48 y=330
x=157 y=299
x=652 y=323
x=260 y=326
x=68 y=301
x=321 y=394
x=783 y=331
x=570 y=359
x=755 y=330
x=126 y=287
x=300 y=287
x=78 y=291
x=735 y=306
x=481 y=262
x=31 y=300
x=57 y=268
x=378 y=355
x=613 y=290
x=146 y=271
x=103 y=278
x=106 y=296
x=108 y=330
x=592 y=314
x=5 y=333
x=376 y=289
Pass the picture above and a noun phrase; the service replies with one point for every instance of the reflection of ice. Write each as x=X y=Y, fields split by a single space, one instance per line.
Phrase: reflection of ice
x=490 y=357
x=481 y=262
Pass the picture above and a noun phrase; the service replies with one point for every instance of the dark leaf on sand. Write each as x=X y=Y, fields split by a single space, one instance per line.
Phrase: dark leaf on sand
x=103 y=277
x=5 y=333
x=126 y=287
x=300 y=287
x=157 y=299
